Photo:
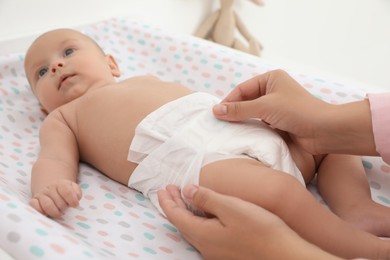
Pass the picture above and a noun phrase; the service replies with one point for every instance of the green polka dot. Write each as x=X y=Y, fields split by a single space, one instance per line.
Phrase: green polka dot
x=384 y=199
x=84 y=186
x=170 y=227
x=41 y=232
x=89 y=254
x=83 y=225
x=109 y=196
x=139 y=197
x=177 y=56
x=158 y=49
x=207 y=85
x=238 y=74
x=150 y=215
x=19 y=164
x=218 y=66
x=149 y=236
x=203 y=61
x=37 y=251
x=118 y=213
x=149 y=250
x=367 y=165
x=142 y=42
x=11 y=205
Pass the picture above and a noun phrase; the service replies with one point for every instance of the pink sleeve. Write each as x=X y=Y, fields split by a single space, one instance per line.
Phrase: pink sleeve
x=380 y=112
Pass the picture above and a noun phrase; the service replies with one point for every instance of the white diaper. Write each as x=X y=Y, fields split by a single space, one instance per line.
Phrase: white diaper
x=172 y=144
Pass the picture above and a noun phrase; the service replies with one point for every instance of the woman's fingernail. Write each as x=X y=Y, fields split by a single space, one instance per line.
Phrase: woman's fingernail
x=190 y=190
x=220 y=109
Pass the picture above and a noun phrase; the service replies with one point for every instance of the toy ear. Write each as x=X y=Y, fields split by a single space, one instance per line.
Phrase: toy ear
x=113 y=65
x=258 y=2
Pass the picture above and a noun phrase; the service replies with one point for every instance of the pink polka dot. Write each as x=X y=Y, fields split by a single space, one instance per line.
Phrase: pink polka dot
x=144 y=53
x=326 y=91
x=219 y=93
x=104 y=187
x=57 y=248
x=166 y=250
x=307 y=85
x=221 y=78
x=385 y=168
x=149 y=225
x=164 y=60
x=134 y=215
x=109 y=206
x=71 y=239
x=45 y=223
x=206 y=75
x=213 y=56
x=132 y=254
x=102 y=233
x=172 y=48
x=82 y=218
x=67 y=226
x=3 y=197
x=226 y=60
x=173 y=237
x=89 y=197
x=132 y=50
x=108 y=244
x=179 y=66
x=195 y=68
x=124 y=189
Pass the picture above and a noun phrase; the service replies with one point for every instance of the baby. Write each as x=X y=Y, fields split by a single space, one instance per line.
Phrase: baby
x=145 y=134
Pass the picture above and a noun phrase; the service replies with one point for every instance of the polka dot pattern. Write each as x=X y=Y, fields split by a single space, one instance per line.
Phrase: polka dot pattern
x=113 y=221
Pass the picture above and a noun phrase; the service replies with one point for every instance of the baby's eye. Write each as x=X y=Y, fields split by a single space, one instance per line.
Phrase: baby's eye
x=68 y=52
x=42 y=72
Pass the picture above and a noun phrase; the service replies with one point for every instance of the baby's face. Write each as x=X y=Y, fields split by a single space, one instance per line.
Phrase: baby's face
x=64 y=64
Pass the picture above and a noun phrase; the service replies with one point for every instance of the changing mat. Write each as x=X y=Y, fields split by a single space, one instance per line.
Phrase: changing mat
x=113 y=221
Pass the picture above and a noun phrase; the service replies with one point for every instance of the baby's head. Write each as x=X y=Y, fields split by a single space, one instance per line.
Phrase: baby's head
x=62 y=65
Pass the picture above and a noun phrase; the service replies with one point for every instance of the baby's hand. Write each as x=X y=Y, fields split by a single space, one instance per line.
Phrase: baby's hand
x=56 y=197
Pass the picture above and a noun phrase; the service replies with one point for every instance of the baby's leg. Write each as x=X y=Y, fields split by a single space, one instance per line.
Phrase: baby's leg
x=343 y=184
x=286 y=197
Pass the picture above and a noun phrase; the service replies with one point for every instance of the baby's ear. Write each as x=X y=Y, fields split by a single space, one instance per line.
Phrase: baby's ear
x=113 y=65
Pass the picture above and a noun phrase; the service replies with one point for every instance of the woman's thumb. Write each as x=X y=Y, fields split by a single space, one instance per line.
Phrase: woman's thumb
x=201 y=198
x=237 y=111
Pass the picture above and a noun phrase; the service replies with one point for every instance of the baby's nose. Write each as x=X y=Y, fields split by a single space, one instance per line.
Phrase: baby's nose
x=56 y=66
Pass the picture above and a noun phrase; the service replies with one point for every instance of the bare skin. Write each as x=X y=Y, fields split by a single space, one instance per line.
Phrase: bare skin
x=92 y=119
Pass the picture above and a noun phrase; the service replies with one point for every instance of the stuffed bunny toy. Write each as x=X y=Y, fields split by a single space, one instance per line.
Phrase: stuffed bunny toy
x=221 y=27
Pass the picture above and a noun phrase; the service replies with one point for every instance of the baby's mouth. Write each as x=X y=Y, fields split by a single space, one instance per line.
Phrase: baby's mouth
x=64 y=79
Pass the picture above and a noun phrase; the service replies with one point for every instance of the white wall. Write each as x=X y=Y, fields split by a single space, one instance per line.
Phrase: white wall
x=343 y=39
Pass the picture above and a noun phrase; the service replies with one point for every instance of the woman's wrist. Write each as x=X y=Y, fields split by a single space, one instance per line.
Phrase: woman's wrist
x=347 y=129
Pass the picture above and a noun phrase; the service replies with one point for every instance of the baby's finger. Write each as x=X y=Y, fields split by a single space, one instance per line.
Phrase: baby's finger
x=35 y=204
x=70 y=194
x=49 y=207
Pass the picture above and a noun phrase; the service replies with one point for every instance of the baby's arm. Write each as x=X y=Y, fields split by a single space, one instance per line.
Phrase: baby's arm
x=54 y=174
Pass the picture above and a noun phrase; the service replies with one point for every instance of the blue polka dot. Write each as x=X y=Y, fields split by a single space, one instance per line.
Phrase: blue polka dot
x=384 y=199
x=41 y=232
x=149 y=250
x=218 y=66
x=170 y=227
x=367 y=165
x=84 y=186
x=109 y=196
x=83 y=225
x=140 y=197
x=37 y=251
x=149 y=236
x=150 y=215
